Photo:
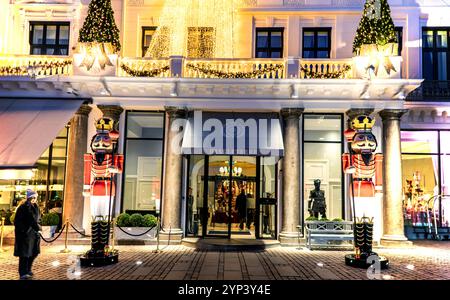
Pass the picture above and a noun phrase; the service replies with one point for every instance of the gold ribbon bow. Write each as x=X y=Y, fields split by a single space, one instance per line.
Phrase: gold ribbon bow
x=380 y=55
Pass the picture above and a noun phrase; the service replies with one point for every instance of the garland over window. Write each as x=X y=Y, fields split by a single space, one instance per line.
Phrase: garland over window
x=144 y=73
x=329 y=75
x=233 y=75
x=34 y=68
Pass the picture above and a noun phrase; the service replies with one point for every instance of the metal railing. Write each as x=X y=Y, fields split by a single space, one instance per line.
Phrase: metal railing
x=431 y=90
x=35 y=65
x=326 y=66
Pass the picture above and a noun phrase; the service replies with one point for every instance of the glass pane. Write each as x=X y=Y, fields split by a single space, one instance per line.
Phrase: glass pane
x=195 y=209
x=420 y=183
x=38 y=34
x=308 y=39
x=243 y=201
x=308 y=54
x=445 y=141
x=142 y=175
x=428 y=73
x=50 y=51
x=442 y=65
x=219 y=193
x=322 y=162
x=63 y=132
x=262 y=39
x=322 y=128
x=64 y=35
x=51 y=35
x=63 y=51
x=445 y=182
x=262 y=54
x=36 y=51
x=145 y=125
x=427 y=39
x=323 y=54
x=276 y=54
x=322 y=39
x=419 y=141
x=268 y=198
x=441 y=39
x=276 y=40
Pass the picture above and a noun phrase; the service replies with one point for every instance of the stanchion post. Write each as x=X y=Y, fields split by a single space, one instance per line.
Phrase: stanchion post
x=112 y=234
x=66 y=250
x=1 y=236
x=158 y=224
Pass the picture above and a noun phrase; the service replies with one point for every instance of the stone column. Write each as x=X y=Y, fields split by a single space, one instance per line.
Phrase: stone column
x=111 y=111
x=393 y=230
x=77 y=147
x=290 y=210
x=171 y=204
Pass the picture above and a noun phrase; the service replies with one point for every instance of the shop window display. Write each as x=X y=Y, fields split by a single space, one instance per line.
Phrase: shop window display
x=425 y=169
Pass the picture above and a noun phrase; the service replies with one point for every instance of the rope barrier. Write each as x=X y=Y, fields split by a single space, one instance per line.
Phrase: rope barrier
x=59 y=234
x=135 y=235
x=79 y=232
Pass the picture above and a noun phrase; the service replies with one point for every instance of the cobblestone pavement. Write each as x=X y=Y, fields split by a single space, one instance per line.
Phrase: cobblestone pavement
x=427 y=260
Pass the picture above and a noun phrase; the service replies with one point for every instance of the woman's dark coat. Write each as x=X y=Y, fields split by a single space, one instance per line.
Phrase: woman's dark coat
x=26 y=222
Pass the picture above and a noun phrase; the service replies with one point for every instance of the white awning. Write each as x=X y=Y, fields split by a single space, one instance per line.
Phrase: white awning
x=257 y=134
x=28 y=127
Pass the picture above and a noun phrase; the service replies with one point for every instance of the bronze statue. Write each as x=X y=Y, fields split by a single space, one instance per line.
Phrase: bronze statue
x=317 y=204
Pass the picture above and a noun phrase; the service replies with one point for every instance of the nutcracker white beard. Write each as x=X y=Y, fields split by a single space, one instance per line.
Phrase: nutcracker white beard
x=99 y=206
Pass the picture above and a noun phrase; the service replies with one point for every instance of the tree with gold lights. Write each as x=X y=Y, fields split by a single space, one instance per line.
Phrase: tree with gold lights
x=376 y=26
x=100 y=25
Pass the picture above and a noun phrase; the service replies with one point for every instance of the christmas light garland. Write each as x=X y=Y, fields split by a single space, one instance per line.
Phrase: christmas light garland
x=143 y=73
x=25 y=70
x=331 y=75
x=233 y=75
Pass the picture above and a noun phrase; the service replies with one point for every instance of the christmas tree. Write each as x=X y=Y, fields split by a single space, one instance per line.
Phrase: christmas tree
x=376 y=25
x=99 y=25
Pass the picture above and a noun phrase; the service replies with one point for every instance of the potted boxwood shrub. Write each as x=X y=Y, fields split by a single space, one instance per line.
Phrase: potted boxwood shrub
x=131 y=228
x=49 y=223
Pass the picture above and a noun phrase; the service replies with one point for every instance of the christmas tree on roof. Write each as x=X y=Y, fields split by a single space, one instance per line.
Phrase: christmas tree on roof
x=100 y=25
x=376 y=25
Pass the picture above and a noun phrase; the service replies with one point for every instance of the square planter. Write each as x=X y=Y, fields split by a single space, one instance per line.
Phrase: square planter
x=134 y=233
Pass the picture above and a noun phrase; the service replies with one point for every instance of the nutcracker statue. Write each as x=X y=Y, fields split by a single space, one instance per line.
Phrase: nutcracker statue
x=365 y=170
x=100 y=169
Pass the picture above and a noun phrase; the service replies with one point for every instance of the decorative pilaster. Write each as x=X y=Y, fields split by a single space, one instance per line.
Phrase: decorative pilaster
x=77 y=147
x=393 y=229
x=290 y=213
x=171 y=205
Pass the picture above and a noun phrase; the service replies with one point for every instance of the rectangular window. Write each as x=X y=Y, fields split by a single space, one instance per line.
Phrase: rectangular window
x=143 y=161
x=435 y=52
x=322 y=152
x=147 y=35
x=316 y=42
x=49 y=38
x=269 y=42
x=425 y=176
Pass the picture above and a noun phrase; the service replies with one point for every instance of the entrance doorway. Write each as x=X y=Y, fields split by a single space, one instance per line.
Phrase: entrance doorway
x=232 y=197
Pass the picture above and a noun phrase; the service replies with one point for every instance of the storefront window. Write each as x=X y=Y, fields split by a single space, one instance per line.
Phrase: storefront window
x=426 y=175
x=322 y=151
x=143 y=161
x=46 y=178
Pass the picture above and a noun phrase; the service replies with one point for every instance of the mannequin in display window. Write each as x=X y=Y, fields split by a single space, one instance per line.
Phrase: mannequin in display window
x=317 y=204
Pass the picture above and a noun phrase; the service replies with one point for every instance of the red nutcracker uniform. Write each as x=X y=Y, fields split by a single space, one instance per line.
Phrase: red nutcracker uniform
x=99 y=168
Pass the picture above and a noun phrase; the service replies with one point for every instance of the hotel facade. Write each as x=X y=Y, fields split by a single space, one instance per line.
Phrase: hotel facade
x=280 y=47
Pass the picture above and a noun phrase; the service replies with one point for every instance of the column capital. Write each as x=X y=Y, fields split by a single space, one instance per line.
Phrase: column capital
x=294 y=112
x=111 y=111
x=392 y=114
x=176 y=112
x=355 y=112
x=84 y=110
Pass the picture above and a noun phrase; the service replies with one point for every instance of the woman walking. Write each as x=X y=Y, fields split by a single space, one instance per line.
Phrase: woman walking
x=27 y=240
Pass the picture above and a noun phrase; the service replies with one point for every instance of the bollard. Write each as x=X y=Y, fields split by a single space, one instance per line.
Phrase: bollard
x=66 y=250
x=1 y=236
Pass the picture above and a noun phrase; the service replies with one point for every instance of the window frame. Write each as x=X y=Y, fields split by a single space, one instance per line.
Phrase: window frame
x=44 y=46
x=143 y=30
x=269 y=49
x=316 y=48
x=434 y=50
x=399 y=33
x=125 y=142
